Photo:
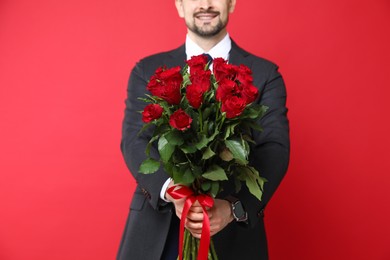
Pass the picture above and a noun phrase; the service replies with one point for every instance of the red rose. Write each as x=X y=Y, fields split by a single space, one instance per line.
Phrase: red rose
x=250 y=93
x=151 y=112
x=201 y=78
x=194 y=95
x=226 y=88
x=197 y=63
x=165 y=83
x=224 y=70
x=180 y=120
x=220 y=68
x=244 y=75
x=233 y=106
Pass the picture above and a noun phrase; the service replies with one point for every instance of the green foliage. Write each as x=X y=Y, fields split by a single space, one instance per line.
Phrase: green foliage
x=148 y=166
x=215 y=186
x=188 y=177
x=208 y=153
x=255 y=111
x=174 y=137
x=239 y=149
x=215 y=173
x=188 y=148
x=229 y=130
x=206 y=186
x=202 y=143
x=213 y=150
x=252 y=180
x=165 y=149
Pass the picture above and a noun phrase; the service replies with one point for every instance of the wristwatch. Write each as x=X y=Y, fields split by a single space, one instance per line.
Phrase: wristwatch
x=239 y=213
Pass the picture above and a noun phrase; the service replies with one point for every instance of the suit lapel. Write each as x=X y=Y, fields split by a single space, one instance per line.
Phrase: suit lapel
x=176 y=57
x=238 y=56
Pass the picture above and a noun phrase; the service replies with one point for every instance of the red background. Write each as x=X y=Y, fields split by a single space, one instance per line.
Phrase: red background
x=64 y=66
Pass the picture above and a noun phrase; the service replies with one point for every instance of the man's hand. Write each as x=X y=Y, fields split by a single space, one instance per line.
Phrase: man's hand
x=194 y=213
x=220 y=215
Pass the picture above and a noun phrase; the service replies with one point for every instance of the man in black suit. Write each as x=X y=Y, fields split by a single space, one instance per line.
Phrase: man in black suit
x=238 y=232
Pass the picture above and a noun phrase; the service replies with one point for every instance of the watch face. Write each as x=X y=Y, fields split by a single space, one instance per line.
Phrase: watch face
x=239 y=211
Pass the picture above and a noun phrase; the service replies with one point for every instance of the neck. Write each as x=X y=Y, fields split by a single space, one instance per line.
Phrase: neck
x=207 y=43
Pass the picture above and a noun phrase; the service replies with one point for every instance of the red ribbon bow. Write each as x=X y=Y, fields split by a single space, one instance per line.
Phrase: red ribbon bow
x=180 y=192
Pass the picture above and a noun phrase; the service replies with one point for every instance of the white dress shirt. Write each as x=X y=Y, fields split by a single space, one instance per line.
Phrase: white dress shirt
x=220 y=50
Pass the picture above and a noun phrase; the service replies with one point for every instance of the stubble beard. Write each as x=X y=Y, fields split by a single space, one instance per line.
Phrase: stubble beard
x=205 y=32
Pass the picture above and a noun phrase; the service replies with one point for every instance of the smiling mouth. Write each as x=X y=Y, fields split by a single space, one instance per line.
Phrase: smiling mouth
x=206 y=16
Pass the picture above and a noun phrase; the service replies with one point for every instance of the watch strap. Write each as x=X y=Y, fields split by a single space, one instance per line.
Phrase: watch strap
x=234 y=204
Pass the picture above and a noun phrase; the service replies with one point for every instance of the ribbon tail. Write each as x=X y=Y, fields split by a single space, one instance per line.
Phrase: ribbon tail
x=205 y=240
x=187 y=205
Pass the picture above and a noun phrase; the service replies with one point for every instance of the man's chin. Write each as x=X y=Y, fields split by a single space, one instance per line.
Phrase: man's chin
x=207 y=31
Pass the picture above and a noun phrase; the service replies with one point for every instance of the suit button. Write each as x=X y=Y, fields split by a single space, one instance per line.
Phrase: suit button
x=146 y=193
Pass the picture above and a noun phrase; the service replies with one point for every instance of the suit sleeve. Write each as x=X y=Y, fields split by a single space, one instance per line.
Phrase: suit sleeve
x=133 y=145
x=270 y=154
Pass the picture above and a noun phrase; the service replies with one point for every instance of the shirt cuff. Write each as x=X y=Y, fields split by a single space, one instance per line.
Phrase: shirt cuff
x=164 y=190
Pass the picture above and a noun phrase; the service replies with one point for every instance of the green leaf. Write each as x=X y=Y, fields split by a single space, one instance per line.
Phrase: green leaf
x=146 y=100
x=202 y=143
x=188 y=149
x=186 y=80
x=147 y=149
x=239 y=152
x=206 y=113
x=174 y=138
x=206 y=186
x=149 y=166
x=229 y=131
x=211 y=127
x=144 y=127
x=212 y=137
x=168 y=168
x=150 y=98
x=214 y=188
x=177 y=174
x=253 y=125
x=255 y=111
x=248 y=139
x=253 y=181
x=166 y=107
x=215 y=173
x=165 y=149
x=149 y=145
x=183 y=174
x=245 y=144
x=187 y=177
x=263 y=110
x=208 y=153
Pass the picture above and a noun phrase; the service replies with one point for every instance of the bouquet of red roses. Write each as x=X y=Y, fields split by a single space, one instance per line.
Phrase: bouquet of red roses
x=202 y=127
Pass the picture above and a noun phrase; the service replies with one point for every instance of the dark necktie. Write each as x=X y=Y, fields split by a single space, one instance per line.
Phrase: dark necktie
x=209 y=58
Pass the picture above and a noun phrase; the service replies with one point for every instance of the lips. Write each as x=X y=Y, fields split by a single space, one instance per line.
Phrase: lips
x=206 y=16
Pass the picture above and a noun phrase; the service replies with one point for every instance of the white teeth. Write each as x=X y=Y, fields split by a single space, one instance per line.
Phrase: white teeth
x=205 y=17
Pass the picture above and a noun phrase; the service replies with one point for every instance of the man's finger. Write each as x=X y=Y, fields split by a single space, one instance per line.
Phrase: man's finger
x=195 y=225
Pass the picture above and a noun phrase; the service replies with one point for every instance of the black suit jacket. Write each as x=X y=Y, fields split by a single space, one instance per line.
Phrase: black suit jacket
x=148 y=222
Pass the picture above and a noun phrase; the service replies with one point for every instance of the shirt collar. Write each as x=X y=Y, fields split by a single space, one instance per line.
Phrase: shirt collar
x=222 y=48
